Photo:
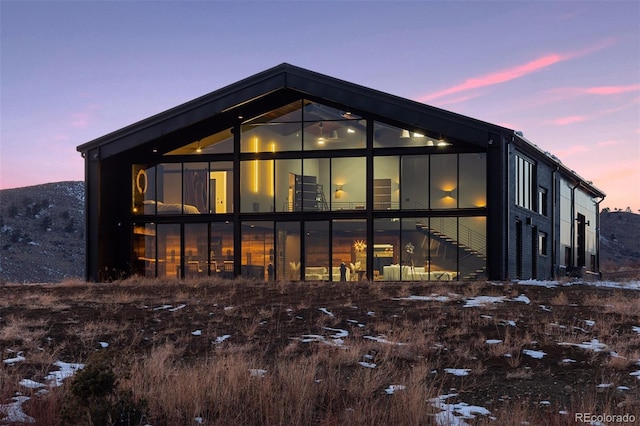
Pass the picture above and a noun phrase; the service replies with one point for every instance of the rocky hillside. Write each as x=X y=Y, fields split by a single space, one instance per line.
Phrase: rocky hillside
x=620 y=240
x=42 y=234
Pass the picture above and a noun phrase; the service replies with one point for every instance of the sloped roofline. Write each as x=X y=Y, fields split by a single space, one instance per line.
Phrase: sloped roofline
x=281 y=77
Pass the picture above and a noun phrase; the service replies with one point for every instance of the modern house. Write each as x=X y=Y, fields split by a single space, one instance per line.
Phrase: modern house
x=289 y=174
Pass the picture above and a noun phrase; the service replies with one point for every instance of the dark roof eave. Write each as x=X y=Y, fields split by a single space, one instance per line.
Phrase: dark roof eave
x=286 y=76
x=552 y=159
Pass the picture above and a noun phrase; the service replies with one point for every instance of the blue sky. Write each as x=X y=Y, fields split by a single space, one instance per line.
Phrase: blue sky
x=565 y=73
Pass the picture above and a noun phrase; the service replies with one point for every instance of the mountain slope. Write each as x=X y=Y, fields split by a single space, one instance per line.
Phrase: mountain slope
x=42 y=232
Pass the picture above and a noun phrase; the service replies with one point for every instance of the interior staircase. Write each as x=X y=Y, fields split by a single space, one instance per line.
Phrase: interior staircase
x=471 y=245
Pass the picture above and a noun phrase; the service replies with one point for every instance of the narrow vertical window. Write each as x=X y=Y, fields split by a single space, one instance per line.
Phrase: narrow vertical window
x=525 y=181
x=542 y=243
x=542 y=201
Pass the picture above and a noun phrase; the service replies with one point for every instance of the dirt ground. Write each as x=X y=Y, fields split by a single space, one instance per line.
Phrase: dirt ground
x=553 y=346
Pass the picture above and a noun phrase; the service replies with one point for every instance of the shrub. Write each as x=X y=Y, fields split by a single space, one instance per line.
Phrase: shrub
x=94 y=397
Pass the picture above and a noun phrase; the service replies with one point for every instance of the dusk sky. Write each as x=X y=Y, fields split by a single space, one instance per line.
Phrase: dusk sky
x=565 y=73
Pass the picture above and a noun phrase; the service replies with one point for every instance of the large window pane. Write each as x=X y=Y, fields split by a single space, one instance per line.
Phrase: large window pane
x=275 y=131
x=348 y=180
x=386 y=249
x=196 y=187
x=196 y=244
x=330 y=128
x=221 y=187
x=414 y=250
x=169 y=253
x=442 y=233
x=291 y=194
x=144 y=189
x=386 y=183
x=443 y=183
x=144 y=249
x=388 y=136
x=414 y=184
x=319 y=170
x=472 y=232
x=288 y=263
x=473 y=180
x=169 y=189
x=221 y=254
x=217 y=143
x=318 y=267
x=350 y=248
x=257 y=249
x=256 y=186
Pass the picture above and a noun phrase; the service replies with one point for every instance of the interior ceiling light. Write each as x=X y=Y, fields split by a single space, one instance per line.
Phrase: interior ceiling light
x=321 y=139
x=199 y=148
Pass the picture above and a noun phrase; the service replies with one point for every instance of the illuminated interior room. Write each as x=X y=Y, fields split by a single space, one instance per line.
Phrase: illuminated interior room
x=294 y=175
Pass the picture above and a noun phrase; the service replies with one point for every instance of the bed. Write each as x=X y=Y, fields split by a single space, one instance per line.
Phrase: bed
x=168 y=208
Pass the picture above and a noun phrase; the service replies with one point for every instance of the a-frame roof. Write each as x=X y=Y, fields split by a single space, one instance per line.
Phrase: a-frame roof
x=285 y=79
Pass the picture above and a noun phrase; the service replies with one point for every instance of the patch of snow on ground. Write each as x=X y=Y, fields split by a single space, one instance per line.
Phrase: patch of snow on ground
x=368 y=364
x=221 y=339
x=433 y=297
x=14 y=413
x=458 y=371
x=67 y=369
x=10 y=361
x=534 y=354
x=340 y=333
x=635 y=373
x=453 y=414
x=163 y=307
x=593 y=345
x=493 y=341
x=257 y=372
x=547 y=284
x=31 y=384
x=103 y=344
x=604 y=385
x=177 y=308
x=393 y=388
x=326 y=311
x=382 y=339
x=636 y=329
x=197 y=333
x=522 y=298
x=590 y=323
x=483 y=300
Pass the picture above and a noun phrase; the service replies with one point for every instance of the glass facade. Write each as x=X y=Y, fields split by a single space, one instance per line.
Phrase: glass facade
x=307 y=206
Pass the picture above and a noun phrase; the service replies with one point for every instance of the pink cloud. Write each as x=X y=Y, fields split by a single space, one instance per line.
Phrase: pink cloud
x=500 y=76
x=612 y=90
x=563 y=121
x=82 y=119
x=610 y=142
x=514 y=72
x=572 y=150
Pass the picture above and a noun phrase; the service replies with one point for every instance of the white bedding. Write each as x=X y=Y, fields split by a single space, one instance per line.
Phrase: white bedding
x=167 y=208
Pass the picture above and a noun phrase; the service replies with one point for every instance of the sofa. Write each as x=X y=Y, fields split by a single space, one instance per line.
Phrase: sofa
x=321 y=273
x=416 y=273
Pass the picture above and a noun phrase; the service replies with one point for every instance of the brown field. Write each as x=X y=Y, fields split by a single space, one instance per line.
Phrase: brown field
x=358 y=353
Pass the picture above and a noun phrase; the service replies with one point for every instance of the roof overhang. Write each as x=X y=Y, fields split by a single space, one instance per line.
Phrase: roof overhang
x=281 y=84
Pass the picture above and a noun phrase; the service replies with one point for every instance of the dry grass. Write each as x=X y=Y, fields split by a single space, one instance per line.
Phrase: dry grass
x=329 y=351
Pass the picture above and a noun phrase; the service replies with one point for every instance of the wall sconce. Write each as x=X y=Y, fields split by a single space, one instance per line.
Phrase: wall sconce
x=448 y=194
x=339 y=191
